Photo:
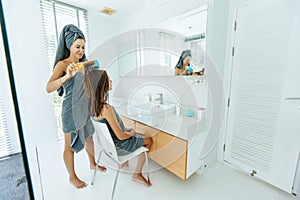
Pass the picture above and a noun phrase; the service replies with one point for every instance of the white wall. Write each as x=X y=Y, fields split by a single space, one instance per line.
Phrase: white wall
x=101 y=28
x=156 y=11
x=6 y=105
x=217 y=26
x=29 y=61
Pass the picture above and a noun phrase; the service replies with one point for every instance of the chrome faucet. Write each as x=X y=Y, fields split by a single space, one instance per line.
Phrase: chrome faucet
x=160 y=98
x=149 y=97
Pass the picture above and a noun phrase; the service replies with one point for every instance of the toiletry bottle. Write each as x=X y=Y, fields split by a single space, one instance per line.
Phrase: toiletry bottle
x=178 y=109
x=201 y=113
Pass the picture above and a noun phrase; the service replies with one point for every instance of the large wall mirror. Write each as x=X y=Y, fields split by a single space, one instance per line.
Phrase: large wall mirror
x=135 y=53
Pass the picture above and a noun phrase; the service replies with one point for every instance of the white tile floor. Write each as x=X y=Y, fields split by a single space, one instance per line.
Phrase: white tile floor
x=220 y=182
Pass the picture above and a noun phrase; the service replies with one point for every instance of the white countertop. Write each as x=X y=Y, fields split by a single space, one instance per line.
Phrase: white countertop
x=180 y=126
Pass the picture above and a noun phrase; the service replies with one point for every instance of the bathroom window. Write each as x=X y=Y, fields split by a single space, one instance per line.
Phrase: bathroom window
x=9 y=142
x=9 y=135
x=5 y=141
x=55 y=16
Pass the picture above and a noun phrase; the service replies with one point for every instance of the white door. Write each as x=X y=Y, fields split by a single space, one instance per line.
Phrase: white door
x=263 y=127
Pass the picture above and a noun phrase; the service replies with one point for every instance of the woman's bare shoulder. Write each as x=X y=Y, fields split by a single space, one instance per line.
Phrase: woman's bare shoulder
x=63 y=63
x=107 y=109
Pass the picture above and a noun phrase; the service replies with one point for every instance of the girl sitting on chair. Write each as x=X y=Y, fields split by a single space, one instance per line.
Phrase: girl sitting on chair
x=97 y=84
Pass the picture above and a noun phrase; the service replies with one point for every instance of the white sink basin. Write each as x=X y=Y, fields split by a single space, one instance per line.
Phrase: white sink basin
x=150 y=113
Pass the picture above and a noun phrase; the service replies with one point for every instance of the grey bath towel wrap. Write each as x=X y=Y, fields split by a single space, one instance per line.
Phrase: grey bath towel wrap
x=75 y=114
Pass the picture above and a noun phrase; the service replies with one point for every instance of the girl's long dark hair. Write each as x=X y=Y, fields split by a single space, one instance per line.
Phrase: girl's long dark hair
x=96 y=85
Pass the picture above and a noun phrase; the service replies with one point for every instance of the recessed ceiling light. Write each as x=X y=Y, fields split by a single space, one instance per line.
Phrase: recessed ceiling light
x=107 y=11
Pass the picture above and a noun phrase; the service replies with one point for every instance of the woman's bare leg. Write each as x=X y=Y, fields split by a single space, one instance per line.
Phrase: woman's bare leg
x=138 y=176
x=148 y=142
x=69 y=163
x=125 y=164
x=89 y=147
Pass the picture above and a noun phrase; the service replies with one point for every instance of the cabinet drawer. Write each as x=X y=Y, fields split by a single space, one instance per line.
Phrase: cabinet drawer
x=172 y=153
x=129 y=123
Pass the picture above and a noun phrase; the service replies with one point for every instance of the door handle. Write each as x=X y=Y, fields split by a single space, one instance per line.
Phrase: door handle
x=292 y=98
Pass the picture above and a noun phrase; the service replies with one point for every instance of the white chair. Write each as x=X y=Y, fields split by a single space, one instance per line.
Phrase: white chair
x=109 y=148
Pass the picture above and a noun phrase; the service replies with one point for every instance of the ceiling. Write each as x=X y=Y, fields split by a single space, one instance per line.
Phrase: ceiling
x=123 y=8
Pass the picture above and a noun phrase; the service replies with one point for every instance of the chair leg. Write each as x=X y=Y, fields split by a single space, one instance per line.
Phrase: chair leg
x=115 y=183
x=146 y=155
x=95 y=171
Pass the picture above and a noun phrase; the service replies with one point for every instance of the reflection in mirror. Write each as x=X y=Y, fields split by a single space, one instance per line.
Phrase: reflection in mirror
x=136 y=51
x=192 y=25
x=133 y=50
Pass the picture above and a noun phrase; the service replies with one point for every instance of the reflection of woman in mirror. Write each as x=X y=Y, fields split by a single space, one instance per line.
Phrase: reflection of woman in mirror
x=183 y=65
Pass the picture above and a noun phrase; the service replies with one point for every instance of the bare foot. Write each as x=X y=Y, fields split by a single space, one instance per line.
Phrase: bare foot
x=138 y=178
x=125 y=164
x=100 y=168
x=77 y=183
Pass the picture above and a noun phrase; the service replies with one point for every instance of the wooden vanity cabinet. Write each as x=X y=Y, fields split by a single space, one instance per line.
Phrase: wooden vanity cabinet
x=167 y=150
x=172 y=153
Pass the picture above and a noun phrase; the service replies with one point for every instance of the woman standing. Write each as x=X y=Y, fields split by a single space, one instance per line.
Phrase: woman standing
x=68 y=80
